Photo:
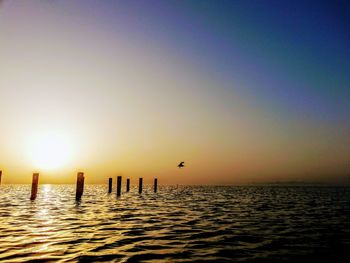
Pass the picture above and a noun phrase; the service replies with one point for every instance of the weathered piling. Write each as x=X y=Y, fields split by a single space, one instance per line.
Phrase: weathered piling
x=110 y=185
x=0 y=176
x=80 y=186
x=155 y=185
x=128 y=184
x=119 y=185
x=35 y=181
x=140 y=185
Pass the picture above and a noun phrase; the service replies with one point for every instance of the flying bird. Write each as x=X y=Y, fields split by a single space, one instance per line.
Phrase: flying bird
x=182 y=164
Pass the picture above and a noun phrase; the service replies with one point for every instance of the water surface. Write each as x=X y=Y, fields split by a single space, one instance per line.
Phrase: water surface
x=178 y=224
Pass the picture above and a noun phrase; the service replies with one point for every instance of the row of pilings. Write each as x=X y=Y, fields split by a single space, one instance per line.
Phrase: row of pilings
x=80 y=185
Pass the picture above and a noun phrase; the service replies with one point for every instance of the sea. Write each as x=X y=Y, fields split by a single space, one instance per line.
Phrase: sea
x=258 y=223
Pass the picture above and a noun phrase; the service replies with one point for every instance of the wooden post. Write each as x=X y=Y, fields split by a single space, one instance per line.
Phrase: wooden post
x=35 y=181
x=110 y=185
x=119 y=185
x=128 y=184
x=155 y=185
x=0 y=176
x=80 y=186
x=140 y=185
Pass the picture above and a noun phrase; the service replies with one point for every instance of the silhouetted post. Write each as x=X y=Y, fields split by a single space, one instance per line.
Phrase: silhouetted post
x=35 y=181
x=0 y=176
x=155 y=185
x=140 y=185
x=110 y=185
x=128 y=184
x=80 y=186
x=119 y=185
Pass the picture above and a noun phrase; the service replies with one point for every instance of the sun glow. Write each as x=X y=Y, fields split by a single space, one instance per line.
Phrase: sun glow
x=50 y=151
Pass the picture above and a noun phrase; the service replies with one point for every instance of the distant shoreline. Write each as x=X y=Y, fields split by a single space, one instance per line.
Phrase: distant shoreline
x=315 y=184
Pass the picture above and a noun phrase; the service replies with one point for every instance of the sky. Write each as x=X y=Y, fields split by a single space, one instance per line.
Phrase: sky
x=242 y=91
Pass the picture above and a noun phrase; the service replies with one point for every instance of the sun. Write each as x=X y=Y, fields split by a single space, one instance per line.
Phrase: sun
x=50 y=151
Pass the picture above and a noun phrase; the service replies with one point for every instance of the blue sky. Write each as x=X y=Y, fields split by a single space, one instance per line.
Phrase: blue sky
x=292 y=54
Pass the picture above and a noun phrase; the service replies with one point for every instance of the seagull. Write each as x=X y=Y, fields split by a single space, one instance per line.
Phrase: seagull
x=182 y=164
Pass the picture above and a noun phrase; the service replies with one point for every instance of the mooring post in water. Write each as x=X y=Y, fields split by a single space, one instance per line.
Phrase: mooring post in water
x=0 y=176
x=110 y=185
x=140 y=185
x=128 y=184
x=35 y=181
x=119 y=185
x=80 y=186
x=155 y=185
